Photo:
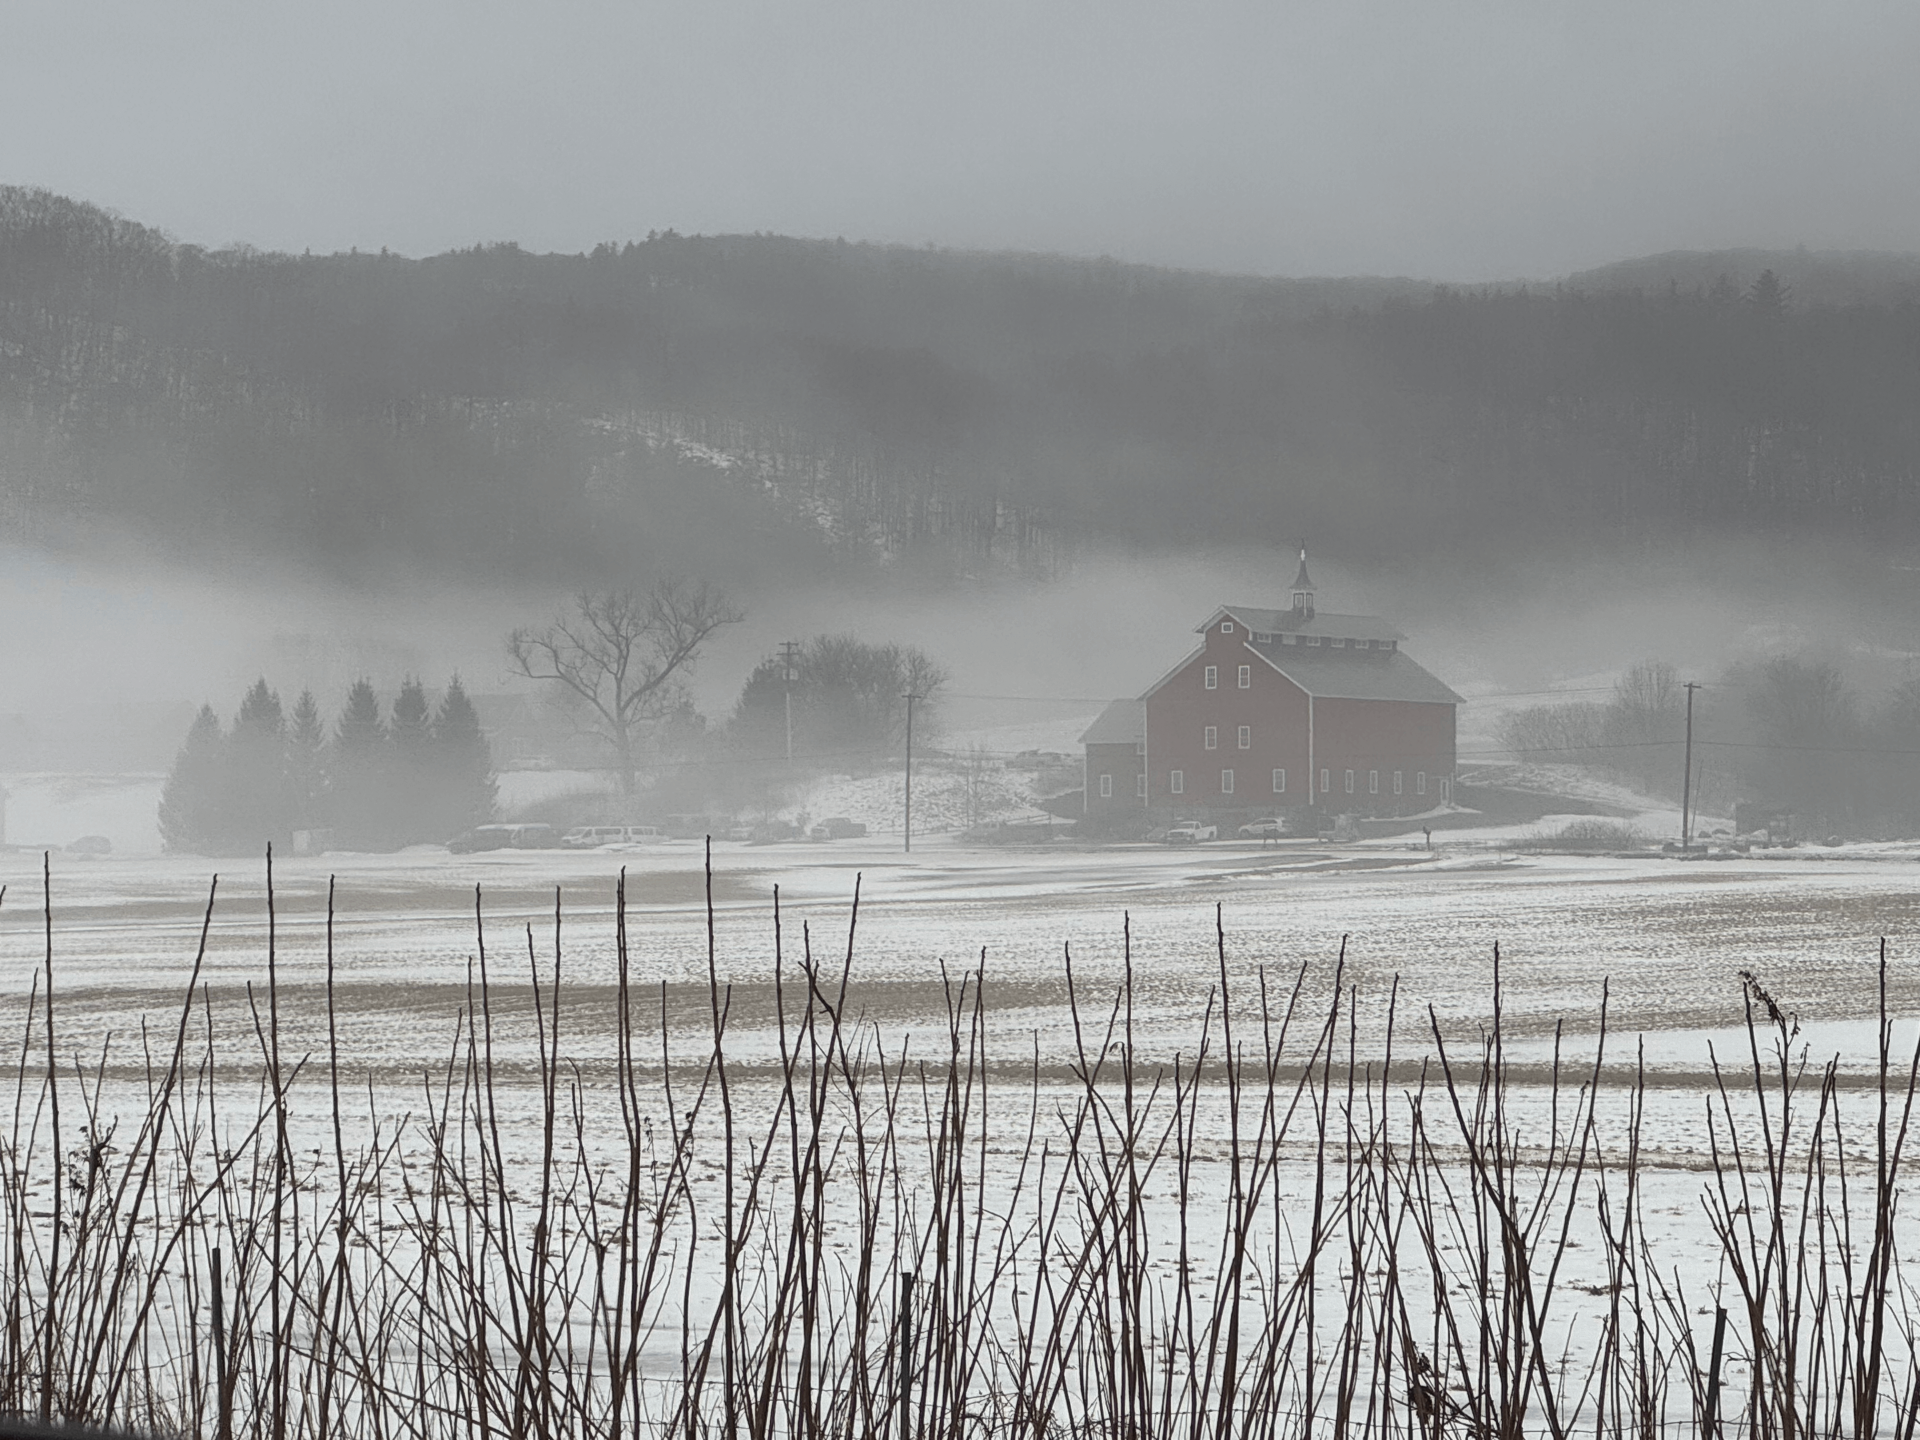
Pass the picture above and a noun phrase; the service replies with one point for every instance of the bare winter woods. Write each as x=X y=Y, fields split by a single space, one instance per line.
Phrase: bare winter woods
x=1792 y=732
x=753 y=405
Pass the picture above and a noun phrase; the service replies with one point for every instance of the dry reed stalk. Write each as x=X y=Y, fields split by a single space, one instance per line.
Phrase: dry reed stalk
x=1286 y=1228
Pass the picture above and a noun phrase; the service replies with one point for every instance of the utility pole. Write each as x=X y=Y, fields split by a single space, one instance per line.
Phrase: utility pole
x=789 y=672
x=1686 y=780
x=910 y=698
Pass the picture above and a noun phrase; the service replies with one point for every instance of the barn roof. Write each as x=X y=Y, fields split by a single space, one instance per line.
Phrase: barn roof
x=1123 y=722
x=1357 y=675
x=1290 y=622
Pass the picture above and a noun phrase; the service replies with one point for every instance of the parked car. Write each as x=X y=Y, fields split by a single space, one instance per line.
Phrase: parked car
x=504 y=837
x=838 y=827
x=592 y=837
x=1191 y=832
x=773 y=831
x=1272 y=828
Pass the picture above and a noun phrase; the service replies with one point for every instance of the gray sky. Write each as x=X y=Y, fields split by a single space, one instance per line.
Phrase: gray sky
x=1450 y=140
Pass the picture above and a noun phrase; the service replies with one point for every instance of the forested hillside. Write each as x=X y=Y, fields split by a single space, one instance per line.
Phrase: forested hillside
x=755 y=402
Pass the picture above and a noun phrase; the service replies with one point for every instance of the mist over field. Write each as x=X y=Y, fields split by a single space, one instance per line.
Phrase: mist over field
x=994 y=721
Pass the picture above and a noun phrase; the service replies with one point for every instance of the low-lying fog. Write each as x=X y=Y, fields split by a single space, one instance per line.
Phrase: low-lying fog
x=102 y=665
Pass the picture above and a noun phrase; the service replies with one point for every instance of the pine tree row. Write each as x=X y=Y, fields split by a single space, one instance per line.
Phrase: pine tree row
x=378 y=784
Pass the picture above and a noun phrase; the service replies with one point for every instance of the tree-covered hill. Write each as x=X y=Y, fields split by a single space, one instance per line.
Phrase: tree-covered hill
x=755 y=402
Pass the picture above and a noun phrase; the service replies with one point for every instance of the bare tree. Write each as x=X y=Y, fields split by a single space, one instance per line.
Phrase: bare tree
x=622 y=653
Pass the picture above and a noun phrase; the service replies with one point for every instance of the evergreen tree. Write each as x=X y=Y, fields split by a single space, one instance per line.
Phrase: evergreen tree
x=259 y=805
x=360 y=772
x=1768 y=296
x=411 y=791
x=306 y=763
x=463 y=764
x=191 y=801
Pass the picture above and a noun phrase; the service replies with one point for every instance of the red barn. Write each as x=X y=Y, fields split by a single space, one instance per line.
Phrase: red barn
x=1276 y=709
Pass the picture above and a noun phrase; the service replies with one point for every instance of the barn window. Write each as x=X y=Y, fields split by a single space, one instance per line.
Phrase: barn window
x=1396 y=781
x=1106 y=787
x=1177 y=782
x=1226 y=782
x=1446 y=792
x=1373 y=782
x=1349 y=782
x=1213 y=737
x=1246 y=737
x=1140 y=784
x=1261 y=637
x=1326 y=781
x=1246 y=677
x=1213 y=677
x=1280 y=782
x=1420 y=782
x=1226 y=627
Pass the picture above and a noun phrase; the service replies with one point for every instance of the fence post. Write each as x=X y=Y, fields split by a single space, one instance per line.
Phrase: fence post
x=1711 y=1429
x=904 y=1324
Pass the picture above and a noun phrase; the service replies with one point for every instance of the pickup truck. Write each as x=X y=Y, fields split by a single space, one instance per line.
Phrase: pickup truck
x=1191 y=832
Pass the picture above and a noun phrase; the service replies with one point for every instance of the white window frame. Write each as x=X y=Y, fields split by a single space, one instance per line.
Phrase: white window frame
x=1373 y=782
x=1280 y=780
x=1398 y=777
x=1326 y=781
x=1226 y=627
x=1210 y=737
x=1246 y=737
x=1419 y=782
x=1349 y=782
x=1226 y=782
x=1212 y=677
x=1140 y=785
x=1246 y=677
x=1177 y=782
x=1446 y=791
x=1106 y=787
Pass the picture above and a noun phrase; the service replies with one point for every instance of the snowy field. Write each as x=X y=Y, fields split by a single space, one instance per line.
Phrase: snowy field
x=1670 y=937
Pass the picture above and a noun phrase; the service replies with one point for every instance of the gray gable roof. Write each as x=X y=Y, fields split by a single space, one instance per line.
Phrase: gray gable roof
x=1123 y=722
x=1288 y=622
x=1356 y=674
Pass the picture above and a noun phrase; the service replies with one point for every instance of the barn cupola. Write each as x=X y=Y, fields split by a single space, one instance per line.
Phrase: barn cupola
x=1303 y=590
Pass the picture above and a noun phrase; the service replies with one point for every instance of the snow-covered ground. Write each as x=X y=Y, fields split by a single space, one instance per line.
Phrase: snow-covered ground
x=1666 y=938
x=1671 y=937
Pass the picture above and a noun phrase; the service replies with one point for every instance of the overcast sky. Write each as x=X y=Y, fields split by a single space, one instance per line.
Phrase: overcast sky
x=1447 y=140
